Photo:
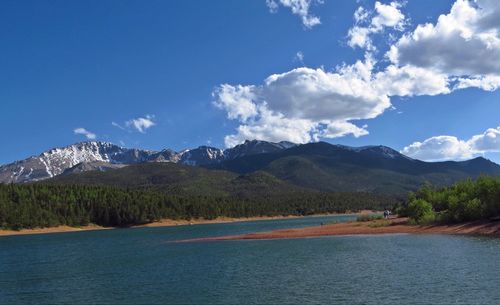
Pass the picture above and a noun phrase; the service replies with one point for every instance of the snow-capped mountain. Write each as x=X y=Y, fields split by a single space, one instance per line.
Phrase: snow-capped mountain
x=92 y=166
x=381 y=150
x=166 y=155
x=57 y=160
x=203 y=155
x=95 y=155
x=255 y=147
x=243 y=158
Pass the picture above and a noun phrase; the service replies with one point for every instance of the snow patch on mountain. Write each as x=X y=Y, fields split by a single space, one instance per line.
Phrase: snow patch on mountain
x=87 y=154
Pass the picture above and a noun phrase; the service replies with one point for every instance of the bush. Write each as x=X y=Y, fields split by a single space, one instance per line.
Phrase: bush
x=401 y=210
x=421 y=212
x=428 y=219
x=464 y=201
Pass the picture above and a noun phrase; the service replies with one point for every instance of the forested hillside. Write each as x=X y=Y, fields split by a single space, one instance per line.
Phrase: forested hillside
x=300 y=180
x=332 y=168
x=42 y=205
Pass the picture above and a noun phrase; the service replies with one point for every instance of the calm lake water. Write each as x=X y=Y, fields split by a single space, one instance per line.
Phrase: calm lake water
x=141 y=266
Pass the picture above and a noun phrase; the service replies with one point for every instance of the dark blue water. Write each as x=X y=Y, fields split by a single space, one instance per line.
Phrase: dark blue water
x=133 y=266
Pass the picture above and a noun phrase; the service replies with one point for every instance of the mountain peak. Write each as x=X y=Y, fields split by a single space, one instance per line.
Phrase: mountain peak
x=203 y=155
x=90 y=155
x=251 y=147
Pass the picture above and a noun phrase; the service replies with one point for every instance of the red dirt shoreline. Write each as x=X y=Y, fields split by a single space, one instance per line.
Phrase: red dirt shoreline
x=392 y=226
x=160 y=223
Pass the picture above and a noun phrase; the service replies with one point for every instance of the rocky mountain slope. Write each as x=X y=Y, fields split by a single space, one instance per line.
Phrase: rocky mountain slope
x=94 y=155
x=315 y=166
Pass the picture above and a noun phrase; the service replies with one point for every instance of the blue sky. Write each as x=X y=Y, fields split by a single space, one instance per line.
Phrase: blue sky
x=151 y=74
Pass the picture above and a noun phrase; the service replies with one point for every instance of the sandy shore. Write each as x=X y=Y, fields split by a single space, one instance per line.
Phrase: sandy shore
x=393 y=226
x=180 y=222
x=161 y=223
x=58 y=229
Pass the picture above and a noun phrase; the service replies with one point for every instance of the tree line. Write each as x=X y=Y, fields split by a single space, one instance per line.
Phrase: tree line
x=44 y=205
x=464 y=201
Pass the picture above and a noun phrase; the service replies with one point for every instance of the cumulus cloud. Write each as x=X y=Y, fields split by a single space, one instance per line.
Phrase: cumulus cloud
x=388 y=15
x=316 y=94
x=322 y=103
x=411 y=81
x=82 y=131
x=369 y=22
x=273 y=127
x=484 y=82
x=440 y=148
x=299 y=8
x=463 y=44
x=460 y=50
x=337 y=129
x=489 y=141
x=236 y=100
x=303 y=104
x=141 y=124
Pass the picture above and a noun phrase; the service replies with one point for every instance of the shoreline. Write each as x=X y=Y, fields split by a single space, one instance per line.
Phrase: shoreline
x=50 y=230
x=376 y=227
x=161 y=223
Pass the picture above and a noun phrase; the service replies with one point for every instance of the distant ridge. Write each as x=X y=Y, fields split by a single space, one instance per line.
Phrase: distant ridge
x=333 y=168
x=56 y=161
x=315 y=166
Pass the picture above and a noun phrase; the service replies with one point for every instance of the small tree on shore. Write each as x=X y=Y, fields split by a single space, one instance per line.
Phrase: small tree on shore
x=421 y=212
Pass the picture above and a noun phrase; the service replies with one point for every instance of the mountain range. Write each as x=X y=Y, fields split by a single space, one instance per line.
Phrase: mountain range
x=315 y=166
x=93 y=155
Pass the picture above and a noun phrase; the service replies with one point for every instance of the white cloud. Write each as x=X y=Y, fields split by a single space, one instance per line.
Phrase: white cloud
x=303 y=104
x=321 y=103
x=410 y=81
x=361 y=15
x=384 y=16
x=461 y=50
x=388 y=16
x=236 y=100
x=299 y=8
x=487 y=83
x=82 y=131
x=464 y=45
x=315 y=94
x=117 y=125
x=340 y=129
x=299 y=57
x=440 y=148
x=273 y=127
x=359 y=37
x=489 y=141
x=141 y=124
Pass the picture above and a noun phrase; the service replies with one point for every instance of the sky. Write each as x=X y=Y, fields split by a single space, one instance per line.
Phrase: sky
x=420 y=76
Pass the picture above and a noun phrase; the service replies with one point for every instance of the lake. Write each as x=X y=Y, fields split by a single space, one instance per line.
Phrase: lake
x=130 y=266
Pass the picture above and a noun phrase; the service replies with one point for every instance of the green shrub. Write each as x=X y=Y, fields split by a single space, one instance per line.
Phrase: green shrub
x=473 y=209
x=421 y=212
x=428 y=219
x=464 y=201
